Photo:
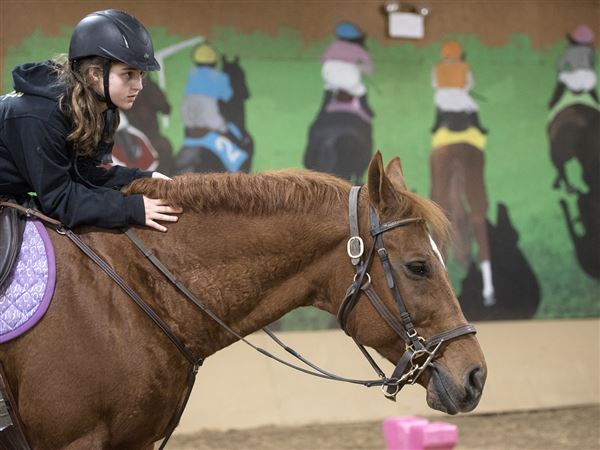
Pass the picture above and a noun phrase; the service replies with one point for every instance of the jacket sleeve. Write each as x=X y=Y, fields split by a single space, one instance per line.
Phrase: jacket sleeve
x=47 y=167
x=116 y=177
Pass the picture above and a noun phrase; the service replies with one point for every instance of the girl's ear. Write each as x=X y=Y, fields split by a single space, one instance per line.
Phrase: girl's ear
x=95 y=74
x=95 y=79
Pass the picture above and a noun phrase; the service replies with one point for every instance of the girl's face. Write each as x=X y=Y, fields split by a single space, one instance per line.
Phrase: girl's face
x=124 y=82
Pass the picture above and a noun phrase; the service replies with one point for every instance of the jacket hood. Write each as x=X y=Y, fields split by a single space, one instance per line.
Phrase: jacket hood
x=39 y=79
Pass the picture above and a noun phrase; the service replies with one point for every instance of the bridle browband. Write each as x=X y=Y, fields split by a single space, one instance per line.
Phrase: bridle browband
x=417 y=348
x=420 y=353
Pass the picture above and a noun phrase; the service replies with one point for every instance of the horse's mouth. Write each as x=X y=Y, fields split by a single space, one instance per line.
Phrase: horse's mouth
x=444 y=394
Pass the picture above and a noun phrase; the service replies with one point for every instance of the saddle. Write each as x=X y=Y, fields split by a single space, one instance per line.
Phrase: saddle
x=11 y=236
x=456 y=121
x=343 y=97
x=196 y=132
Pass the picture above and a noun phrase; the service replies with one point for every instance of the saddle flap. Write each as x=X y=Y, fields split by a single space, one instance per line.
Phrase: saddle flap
x=11 y=236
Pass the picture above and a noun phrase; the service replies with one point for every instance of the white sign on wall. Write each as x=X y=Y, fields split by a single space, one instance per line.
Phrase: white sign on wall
x=406 y=25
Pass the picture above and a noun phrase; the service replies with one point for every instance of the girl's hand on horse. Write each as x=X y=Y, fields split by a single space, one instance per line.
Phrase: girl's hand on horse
x=157 y=209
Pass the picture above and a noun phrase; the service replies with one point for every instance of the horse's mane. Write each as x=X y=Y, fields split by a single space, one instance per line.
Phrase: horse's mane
x=264 y=193
x=271 y=192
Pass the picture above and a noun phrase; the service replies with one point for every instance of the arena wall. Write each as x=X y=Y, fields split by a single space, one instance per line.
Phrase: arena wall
x=513 y=47
x=531 y=365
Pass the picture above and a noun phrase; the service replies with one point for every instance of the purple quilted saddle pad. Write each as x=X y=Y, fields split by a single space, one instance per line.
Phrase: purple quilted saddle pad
x=26 y=293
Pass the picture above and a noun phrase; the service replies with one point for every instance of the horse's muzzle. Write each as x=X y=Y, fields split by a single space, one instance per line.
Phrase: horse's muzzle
x=446 y=394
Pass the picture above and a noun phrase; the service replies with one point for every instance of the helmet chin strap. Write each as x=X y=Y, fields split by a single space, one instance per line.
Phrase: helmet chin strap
x=109 y=114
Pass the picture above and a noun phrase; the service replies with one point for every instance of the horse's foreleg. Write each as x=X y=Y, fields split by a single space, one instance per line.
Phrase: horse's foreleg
x=477 y=197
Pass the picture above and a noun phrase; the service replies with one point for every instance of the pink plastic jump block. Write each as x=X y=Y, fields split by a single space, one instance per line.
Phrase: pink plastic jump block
x=417 y=433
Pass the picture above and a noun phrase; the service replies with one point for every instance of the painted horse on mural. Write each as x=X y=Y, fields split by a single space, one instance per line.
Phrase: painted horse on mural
x=573 y=133
x=458 y=186
x=132 y=148
x=150 y=102
x=211 y=151
x=95 y=372
x=138 y=142
x=340 y=140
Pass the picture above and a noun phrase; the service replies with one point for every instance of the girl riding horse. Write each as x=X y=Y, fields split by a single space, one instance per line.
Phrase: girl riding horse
x=59 y=125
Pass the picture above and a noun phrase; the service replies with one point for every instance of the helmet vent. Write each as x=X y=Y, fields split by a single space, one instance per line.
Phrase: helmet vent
x=125 y=41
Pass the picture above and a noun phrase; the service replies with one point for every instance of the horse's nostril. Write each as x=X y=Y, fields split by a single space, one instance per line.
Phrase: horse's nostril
x=476 y=378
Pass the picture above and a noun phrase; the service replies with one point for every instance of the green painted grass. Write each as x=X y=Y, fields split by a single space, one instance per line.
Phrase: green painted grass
x=515 y=82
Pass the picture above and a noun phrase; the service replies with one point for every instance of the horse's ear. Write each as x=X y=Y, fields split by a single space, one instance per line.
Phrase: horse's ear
x=381 y=189
x=394 y=173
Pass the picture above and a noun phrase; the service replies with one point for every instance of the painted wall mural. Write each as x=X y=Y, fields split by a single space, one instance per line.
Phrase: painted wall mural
x=518 y=177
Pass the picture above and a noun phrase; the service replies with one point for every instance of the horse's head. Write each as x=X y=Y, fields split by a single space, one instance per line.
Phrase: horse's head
x=427 y=332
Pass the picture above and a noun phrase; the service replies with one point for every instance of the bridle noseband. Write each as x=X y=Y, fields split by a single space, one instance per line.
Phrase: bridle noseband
x=420 y=353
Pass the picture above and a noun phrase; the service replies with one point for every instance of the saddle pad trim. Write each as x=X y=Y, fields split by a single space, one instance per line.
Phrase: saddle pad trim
x=43 y=307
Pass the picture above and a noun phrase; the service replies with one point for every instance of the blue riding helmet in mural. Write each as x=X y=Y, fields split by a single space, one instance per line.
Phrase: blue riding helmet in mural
x=576 y=66
x=348 y=31
x=59 y=125
x=206 y=86
x=452 y=79
x=344 y=63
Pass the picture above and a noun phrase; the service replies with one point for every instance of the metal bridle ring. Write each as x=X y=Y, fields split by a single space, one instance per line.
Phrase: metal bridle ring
x=367 y=283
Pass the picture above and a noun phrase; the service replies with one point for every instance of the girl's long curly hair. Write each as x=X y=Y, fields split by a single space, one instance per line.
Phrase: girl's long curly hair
x=80 y=103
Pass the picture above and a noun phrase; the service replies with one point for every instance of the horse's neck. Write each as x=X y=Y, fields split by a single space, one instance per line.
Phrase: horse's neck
x=234 y=112
x=252 y=270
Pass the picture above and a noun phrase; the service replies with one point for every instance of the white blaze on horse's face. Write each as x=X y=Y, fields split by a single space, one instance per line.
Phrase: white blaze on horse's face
x=436 y=250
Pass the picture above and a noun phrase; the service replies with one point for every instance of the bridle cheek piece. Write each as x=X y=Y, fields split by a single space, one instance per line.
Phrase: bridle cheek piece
x=420 y=353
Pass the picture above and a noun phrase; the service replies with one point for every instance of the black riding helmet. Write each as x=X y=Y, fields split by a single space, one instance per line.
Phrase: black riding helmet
x=114 y=35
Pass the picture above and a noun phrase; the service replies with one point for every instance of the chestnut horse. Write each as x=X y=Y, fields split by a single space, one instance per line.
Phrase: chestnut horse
x=96 y=373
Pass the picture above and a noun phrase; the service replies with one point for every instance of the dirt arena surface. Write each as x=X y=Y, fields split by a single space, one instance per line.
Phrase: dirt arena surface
x=560 y=429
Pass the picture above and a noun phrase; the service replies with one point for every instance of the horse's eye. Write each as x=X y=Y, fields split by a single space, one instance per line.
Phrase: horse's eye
x=418 y=269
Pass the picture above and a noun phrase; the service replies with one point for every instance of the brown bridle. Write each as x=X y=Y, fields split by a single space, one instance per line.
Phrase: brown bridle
x=420 y=353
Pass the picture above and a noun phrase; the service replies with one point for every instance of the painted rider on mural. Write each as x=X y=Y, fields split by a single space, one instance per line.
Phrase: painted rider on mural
x=576 y=66
x=206 y=86
x=452 y=79
x=344 y=63
x=57 y=127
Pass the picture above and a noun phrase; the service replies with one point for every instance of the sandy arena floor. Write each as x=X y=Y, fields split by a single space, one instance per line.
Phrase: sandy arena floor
x=560 y=429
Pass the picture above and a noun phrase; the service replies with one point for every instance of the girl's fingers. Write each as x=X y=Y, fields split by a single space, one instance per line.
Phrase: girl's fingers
x=156 y=226
x=172 y=209
x=165 y=217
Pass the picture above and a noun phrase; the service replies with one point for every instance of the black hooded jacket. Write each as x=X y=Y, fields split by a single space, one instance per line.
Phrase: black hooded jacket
x=36 y=156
